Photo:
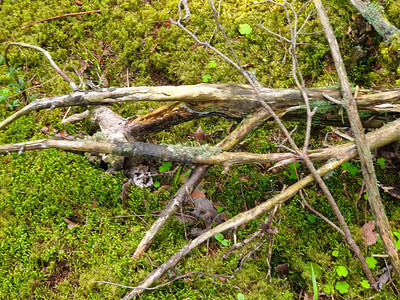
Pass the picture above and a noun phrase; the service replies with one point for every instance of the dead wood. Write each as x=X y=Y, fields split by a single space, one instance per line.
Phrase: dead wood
x=372 y=12
x=227 y=144
x=234 y=222
x=363 y=148
x=235 y=101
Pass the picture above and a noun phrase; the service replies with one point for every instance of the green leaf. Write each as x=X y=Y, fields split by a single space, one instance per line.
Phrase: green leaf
x=342 y=287
x=219 y=237
x=1 y=59
x=220 y=209
x=365 y=284
x=307 y=270
x=212 y=64
x=371 y=262
x=245 y=29
x=156 y=184
x=311 y=218
x=206 y=78
x=165 y=167
x=335 y=253
x=382 y=162
x=350 y=168
x=314 y=282
x=342 y=271
x=240 y=296
x=328 y=288
x=224 y=242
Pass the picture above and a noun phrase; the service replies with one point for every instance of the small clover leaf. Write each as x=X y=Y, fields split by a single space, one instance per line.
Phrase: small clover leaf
x=342 y=287
x=165 y=167
x=240 y=296
x=311 y=218
x=371 y=262
x=335 y=253
x=365 y=284
x=220 y=209
x=328 y=288
x=245 y=29
x=224 y=242
x=206 y=78
x=219 y=237
x=212 y=64
x=342 y=271
x=156 y=184
x=382 y=162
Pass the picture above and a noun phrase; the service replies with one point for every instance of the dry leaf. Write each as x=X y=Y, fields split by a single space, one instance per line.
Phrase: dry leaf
x=70 y=223
x=368 y=234
x=77 y=2
x=200 y=135
x=45 y=130
x=197 y=194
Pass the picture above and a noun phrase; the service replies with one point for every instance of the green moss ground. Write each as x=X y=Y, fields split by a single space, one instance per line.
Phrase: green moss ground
x=40 y=258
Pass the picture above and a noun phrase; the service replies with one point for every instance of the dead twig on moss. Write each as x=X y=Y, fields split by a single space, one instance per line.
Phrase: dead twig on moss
x=62 y=16
x=48 y=56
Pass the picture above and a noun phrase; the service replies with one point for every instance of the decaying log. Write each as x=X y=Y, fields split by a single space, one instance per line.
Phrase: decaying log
x=208 y=154
x=235 y=101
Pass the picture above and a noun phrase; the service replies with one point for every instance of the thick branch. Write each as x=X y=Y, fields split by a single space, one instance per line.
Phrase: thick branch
x=230 y=99
x=206 y=154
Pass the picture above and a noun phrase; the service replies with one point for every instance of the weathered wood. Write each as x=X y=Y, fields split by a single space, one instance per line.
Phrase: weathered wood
x=206 y=154
x=363 y=148
x=231 y=100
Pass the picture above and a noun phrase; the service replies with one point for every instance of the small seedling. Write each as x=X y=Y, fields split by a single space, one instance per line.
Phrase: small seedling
x=240 y=296
x=212 y=64
x=220 y=209
x=156 y=184
x=365 y=284
x=335 y=253
x=329 y=289
x=206 y=77
x=342 y=287
x=245 y=29
x=342 y=271
x=371 y=262
x=311 y=218
x=382 y=162
x=165 y=167
x=397 y=242
x=292 y=170
x=350 y=168
x=220 y=238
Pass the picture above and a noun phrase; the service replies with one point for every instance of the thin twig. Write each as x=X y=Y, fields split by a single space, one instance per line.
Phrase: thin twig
x=62 y=16
x=48 y=56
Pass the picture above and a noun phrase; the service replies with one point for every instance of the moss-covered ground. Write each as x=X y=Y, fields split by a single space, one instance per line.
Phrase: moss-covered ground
x=132 y=41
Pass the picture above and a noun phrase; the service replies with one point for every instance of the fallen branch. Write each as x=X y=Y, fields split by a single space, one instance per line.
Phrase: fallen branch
x=62 y=16
x=229 y=99
x=363 y=148
x=208 y=154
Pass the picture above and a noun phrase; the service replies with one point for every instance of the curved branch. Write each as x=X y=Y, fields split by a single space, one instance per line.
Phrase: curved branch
x=48 y=56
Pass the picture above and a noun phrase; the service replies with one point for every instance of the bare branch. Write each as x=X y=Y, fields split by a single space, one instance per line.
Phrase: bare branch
x=48 y=56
